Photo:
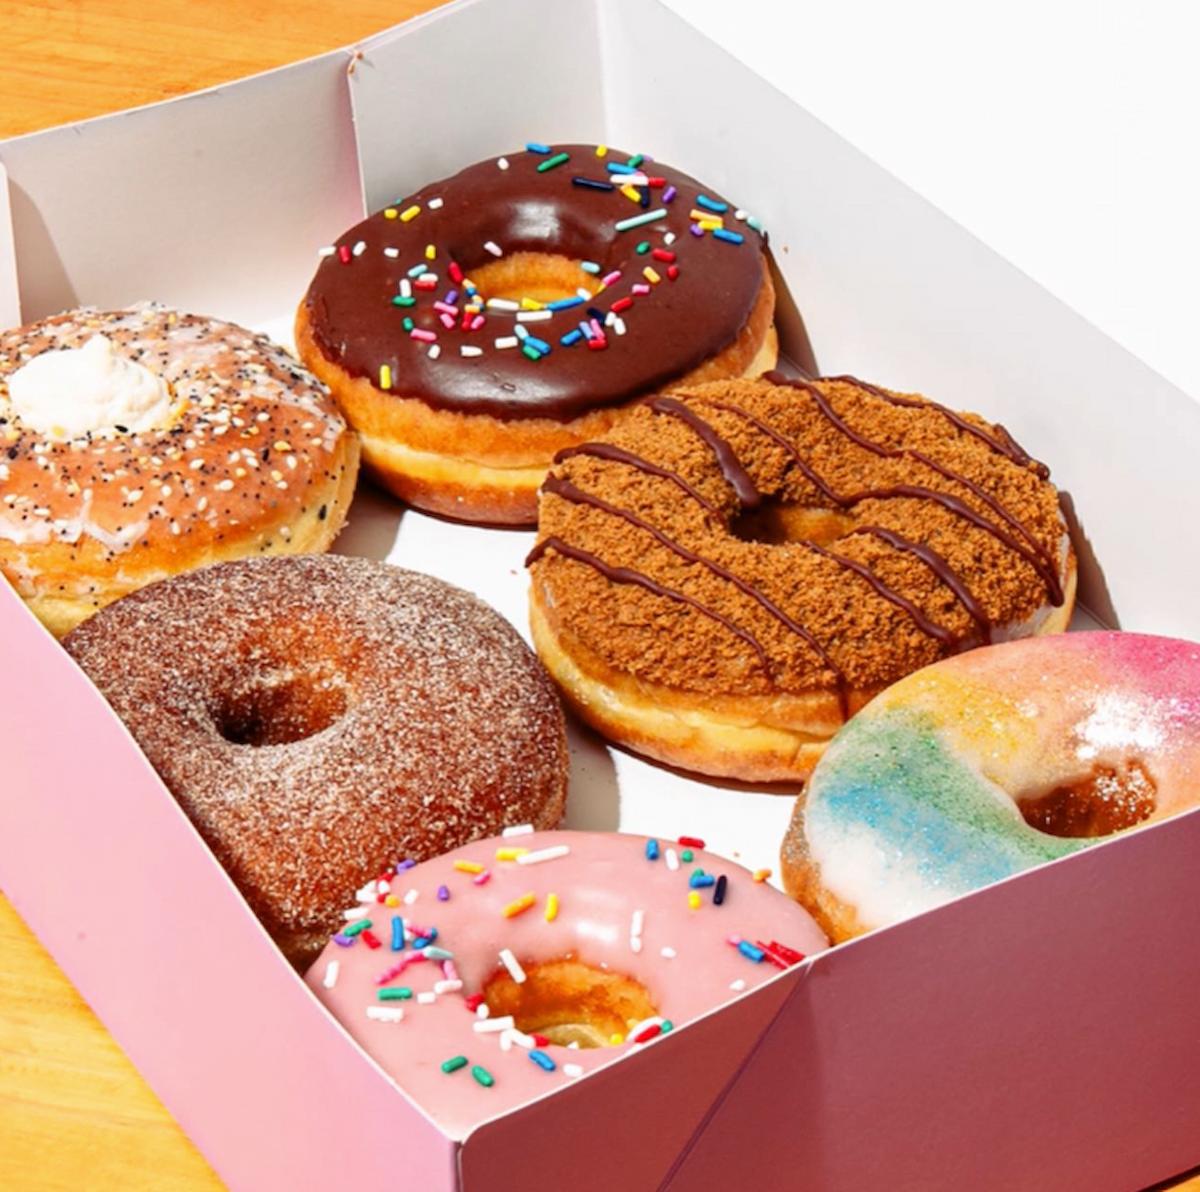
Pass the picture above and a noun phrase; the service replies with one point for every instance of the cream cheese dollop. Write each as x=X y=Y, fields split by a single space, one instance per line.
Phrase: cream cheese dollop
x=78 y=391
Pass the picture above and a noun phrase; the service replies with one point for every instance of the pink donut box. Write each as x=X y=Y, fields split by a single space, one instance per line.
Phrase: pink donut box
x=1037 y=1034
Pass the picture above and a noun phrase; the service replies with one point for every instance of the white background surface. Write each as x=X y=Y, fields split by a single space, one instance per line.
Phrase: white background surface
x=1064 y=134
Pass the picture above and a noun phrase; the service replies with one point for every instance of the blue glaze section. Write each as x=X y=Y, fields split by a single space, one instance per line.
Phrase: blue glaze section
x=890 y=778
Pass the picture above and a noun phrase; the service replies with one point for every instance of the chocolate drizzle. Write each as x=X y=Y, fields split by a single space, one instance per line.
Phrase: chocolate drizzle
x=1007 y=445
x=809 y=471
x=963 y=510
x=731 y=467
x=938 y=632
x=623 y=575
x=571 y=492
x=611 y=451
x=1035 y=554
x=939 y=566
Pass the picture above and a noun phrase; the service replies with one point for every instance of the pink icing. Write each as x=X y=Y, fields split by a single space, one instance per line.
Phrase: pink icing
x=600 y=883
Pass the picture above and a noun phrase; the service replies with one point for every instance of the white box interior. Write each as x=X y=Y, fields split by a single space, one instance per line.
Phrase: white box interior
x=217 y=202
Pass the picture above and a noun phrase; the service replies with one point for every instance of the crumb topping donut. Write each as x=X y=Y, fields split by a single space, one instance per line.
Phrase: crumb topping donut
x=570 y=949
x=734 y=570
x=476 y=327
x=985 y=765
x=318 y=716
x=141 y=442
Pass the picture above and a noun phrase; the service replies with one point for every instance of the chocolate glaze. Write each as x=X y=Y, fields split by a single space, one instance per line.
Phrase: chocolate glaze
x=623 y=575
x=670 y=331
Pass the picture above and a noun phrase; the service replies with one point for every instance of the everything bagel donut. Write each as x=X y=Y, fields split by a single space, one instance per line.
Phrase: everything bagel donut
x=474 y=328
x=987 y=764
x=740 y=565
x=318 y=716
x=138 y=443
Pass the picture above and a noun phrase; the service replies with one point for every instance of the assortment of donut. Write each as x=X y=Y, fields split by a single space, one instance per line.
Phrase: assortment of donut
x=745 y=574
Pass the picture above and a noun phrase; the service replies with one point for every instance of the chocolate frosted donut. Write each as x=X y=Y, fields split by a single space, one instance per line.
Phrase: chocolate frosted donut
x=320 y=718
x=739 y=566
x=477 y=326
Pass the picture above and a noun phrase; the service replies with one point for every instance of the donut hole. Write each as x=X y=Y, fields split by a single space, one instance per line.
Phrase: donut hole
x=569 y=1001
x=1106 y=800
x=278 y=710
x=777 y=522
x=541 y=276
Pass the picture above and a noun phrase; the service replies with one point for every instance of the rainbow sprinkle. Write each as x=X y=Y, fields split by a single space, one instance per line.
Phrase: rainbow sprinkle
x=634 y=183
x=519 y=906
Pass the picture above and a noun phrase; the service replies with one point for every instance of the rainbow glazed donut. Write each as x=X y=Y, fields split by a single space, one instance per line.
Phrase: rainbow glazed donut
x=567 y=948
x=739 y=566
x=474 y=328
x=989 y=763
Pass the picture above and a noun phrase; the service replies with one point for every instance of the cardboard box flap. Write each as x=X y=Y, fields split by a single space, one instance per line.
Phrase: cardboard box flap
x=625 y=1125
x=437 y=94
x=107 y=904
x=214 y=202
x=948 y=1020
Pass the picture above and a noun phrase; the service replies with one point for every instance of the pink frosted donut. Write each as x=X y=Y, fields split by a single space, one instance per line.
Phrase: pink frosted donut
x=991 y=762
x=599 y=940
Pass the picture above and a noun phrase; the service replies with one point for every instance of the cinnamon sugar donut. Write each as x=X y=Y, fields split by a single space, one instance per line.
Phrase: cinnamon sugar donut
x=138 y=443
x=319 y=716
x=474 y=328
x=727 y=576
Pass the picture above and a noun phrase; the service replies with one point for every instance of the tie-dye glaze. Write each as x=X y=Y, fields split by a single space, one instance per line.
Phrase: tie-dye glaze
x=916 y=800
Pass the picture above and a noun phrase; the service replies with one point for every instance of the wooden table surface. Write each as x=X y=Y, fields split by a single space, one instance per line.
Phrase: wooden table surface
x=73 y=1111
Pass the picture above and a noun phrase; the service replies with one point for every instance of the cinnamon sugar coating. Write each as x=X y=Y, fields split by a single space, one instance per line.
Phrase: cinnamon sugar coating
x=320 y=717
x=995 y=575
